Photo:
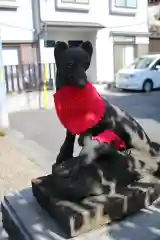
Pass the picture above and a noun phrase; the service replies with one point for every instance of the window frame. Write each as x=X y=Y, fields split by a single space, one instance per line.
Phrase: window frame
x=47 y=43
x=125 y=6
x=118 y=10
x=8 y=4
x=74 y=6
x=153 y=67
x=74 y=43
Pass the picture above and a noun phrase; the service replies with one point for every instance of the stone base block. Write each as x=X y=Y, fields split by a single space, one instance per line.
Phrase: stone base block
x=24 y=219
x=80 y=217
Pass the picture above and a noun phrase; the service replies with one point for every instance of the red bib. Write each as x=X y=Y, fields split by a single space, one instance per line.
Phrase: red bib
x=81 y=109
x=109 y=136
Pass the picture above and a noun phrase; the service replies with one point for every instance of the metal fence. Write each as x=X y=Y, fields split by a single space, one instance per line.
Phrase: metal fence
x=30 y=77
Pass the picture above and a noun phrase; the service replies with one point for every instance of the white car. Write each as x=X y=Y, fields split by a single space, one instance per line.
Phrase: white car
x=143 y=74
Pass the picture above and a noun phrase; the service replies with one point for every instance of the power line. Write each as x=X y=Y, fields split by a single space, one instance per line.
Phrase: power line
x=129 y=25
x=110 y=27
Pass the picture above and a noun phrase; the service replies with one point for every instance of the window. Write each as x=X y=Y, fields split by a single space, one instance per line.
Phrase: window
x=74 y=43
x=8 y=4
x=126 y=3
x=123 y=7
x=156 y=66
x=76 y=1
x=74 y=5
x=142 y=63
x=124 y=39
x=49 y=43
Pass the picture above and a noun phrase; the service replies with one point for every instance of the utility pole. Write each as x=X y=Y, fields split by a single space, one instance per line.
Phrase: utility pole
x=4 y=120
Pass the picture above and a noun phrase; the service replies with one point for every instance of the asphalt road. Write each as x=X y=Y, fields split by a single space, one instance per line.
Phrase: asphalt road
x=43 y=127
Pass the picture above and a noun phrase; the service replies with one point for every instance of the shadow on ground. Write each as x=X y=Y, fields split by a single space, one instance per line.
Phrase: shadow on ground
x=3 y=234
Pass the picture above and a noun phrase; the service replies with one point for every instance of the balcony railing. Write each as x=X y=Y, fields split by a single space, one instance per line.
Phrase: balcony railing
x=30 y=77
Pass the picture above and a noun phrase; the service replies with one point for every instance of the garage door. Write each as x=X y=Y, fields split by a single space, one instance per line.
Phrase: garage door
x=10 y=56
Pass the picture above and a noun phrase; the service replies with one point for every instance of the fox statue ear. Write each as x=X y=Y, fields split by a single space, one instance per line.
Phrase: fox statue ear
x=87 y=46
x=60 y=47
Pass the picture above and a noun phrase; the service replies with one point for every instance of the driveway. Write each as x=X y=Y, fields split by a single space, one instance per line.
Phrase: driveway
x=43 y=127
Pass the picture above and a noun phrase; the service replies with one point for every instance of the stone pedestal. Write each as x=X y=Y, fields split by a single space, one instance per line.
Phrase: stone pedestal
x=91 y=213
x=23 y=218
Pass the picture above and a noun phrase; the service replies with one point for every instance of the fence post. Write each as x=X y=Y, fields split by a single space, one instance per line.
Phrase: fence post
x=44 y=87
x=4 y=121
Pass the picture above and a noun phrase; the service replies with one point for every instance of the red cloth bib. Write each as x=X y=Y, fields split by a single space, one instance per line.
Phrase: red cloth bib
x=81 y=109
x=109 y=136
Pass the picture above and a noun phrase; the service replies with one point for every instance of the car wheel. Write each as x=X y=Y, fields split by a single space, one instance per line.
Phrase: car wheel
x=147 y=86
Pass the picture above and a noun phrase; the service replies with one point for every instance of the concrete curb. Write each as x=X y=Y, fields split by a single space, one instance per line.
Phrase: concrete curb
x=33 y=151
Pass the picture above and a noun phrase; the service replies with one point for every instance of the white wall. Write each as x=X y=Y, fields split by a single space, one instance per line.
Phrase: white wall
x=138 y=24
x=65 y=35
x=103 y=42
x=17 y=25
x=99 y=12
x=10 y=56
x=48 y=12
x=104 y=56
x=152 y=11
x=4 y=121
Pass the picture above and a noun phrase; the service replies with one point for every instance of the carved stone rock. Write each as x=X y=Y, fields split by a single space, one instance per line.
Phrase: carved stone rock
x=87 y=214
x=82 y=198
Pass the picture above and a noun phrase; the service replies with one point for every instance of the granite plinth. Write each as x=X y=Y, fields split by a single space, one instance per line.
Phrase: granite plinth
x=23 y=218
x=76 y=218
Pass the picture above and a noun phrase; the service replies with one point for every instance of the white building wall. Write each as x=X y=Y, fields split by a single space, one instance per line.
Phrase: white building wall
x=102 y=41
x=4 y=120
x=99 y=13
x=17 y=25
x=47 y=54
x=152 y=11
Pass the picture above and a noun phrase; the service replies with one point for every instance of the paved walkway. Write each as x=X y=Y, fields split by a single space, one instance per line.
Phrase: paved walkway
x=16 y=172
x=34 y=100
x=43 y=127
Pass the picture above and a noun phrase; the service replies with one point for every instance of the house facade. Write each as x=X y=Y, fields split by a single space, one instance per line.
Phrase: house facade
x=154 y=25
x=117 y=29
x=17 y=33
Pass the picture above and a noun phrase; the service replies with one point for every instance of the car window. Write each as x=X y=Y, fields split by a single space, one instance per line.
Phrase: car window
x=157 y=63
x=142 y=63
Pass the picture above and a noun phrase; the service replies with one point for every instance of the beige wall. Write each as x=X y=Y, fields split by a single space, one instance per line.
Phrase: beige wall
x=154 y=46
x=27 y=54
x=141 y=49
